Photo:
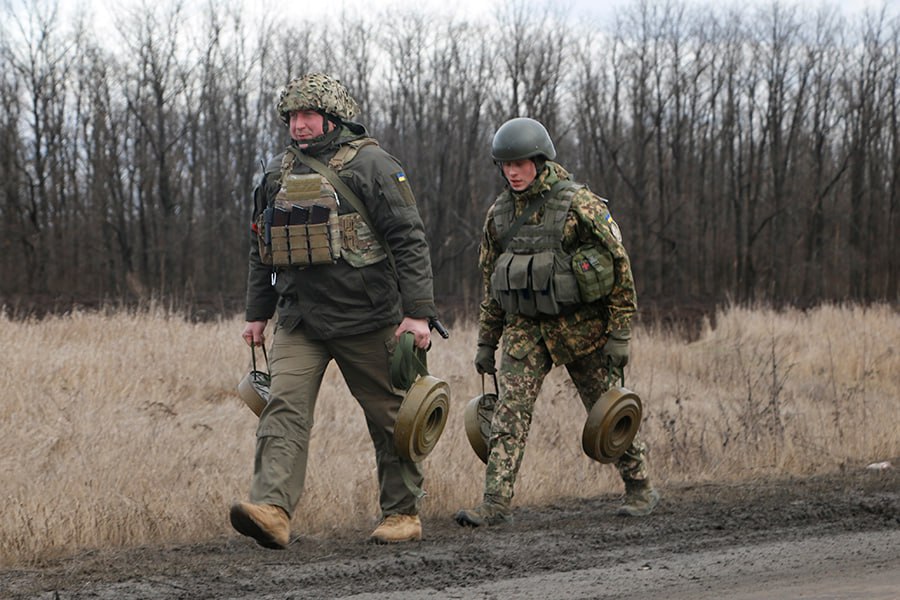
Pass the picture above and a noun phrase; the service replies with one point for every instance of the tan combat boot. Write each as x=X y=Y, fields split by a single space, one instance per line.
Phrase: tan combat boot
x=640 y=499
x=267 y=524
x=490 y=512
x=397 y=528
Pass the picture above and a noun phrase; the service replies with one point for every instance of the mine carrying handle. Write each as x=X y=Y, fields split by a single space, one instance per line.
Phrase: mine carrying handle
x=253 y=357
x=496 y=386
x=614 y=373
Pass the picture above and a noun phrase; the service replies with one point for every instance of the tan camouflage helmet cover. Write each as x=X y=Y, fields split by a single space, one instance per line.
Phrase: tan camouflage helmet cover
x=319 y=92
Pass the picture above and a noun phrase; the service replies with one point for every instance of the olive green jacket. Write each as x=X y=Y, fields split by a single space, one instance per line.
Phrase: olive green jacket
x=574 y=334
x=337 y=299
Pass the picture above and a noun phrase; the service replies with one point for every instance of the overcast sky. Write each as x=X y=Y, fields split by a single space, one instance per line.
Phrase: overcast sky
x=581 y=8
x=599 y=11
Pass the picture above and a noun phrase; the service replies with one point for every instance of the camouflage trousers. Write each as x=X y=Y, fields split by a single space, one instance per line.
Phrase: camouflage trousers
x=520 y=383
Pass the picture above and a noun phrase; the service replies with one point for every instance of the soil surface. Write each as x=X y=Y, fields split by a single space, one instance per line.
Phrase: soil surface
x=835 y=536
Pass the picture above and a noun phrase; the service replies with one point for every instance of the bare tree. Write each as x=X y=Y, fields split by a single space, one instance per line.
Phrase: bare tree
x=746 y=155
x=40 y=61
x=828 y=162
x=533 y=58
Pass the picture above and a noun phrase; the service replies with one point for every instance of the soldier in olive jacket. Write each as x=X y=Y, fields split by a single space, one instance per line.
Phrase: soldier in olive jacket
x=344 y=287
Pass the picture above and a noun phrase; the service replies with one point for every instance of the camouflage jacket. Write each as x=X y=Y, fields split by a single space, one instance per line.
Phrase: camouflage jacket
x=575 y=334
x=338 y=299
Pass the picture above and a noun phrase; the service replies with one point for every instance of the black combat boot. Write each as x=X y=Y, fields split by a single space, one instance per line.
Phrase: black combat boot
x=640 y=498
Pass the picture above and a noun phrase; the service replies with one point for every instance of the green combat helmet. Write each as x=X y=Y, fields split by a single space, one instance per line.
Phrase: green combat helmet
x=318 y=92
x=522 y=138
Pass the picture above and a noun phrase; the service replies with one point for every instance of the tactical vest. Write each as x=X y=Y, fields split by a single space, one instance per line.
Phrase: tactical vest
x=534 y=275
x=303 y=226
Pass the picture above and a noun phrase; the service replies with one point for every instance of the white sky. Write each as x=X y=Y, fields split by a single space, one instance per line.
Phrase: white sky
x=599 y=11
x=580 y=8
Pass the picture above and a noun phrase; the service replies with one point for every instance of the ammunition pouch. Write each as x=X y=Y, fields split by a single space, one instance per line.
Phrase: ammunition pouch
x=301 y=227
x=534 y=284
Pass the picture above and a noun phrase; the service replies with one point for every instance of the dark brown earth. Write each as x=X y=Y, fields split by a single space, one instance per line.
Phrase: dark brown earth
x=834 y=536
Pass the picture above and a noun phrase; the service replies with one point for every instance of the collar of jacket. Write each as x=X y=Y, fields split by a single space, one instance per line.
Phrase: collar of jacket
x=550 y=174
x=347 y=132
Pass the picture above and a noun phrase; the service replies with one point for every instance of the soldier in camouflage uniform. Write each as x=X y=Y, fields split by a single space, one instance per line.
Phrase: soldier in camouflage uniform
x=542 y=329
x=341 y=299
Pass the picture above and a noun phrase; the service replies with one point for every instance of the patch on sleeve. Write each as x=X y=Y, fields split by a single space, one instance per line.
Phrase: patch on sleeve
x=614 y=228
x=402 y=186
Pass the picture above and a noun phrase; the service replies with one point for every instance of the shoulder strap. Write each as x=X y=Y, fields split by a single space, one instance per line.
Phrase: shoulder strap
x=345 y=191
x=287 y=165
x=533 y=208
x=348 y=152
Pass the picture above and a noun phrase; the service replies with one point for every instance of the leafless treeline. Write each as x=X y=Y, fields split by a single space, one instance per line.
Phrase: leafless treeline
x=746 y=155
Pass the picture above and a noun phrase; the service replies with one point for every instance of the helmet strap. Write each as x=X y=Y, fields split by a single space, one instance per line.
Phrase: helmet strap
x=328 y=118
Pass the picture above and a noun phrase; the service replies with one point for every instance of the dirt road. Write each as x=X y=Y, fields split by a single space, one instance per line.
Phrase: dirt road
x=835 y=536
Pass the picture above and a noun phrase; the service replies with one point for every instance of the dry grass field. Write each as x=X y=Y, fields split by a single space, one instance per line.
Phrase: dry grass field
x=124 y=428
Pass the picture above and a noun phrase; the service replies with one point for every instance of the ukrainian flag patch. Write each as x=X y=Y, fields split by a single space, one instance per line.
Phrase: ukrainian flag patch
x=402 y=186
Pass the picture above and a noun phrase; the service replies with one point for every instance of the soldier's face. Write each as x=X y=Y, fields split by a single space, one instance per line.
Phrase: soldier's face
x=519 y=173
x=306 y=125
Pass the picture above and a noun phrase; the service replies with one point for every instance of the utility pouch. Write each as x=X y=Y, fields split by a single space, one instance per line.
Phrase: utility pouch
x=520 y=282
x=534 y=284
x=542 y=283
x=318 y=235
x=504 y=293
x=305 y=226
x=594 y=272
x=360 y=246
x=263 y=228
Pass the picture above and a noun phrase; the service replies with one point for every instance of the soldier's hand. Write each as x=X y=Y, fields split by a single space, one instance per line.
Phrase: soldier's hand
x=420 y=330
x=254 y=333
x=484 y=359
x=616 y=348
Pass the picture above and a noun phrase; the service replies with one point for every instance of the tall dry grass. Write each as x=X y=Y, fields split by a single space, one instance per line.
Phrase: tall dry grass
x=125 y=428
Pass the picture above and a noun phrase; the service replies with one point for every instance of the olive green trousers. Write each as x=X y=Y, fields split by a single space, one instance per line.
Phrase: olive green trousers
x=297 y=366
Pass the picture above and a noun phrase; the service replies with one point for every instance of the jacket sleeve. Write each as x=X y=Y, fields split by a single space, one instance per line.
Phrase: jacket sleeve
x=383 y=187
x=600 y=226
x=490 y=315
x=261 y=295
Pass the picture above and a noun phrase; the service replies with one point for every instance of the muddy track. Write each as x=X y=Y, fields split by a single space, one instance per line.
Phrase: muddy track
x=768 y=537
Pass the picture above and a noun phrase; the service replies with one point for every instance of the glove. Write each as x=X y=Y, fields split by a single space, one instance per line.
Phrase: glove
x=616 y=348
x=484 y=359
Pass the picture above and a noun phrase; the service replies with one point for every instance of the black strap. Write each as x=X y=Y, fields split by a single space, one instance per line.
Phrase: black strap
x=530 y=210
x=344 y=190
x=253 y=357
